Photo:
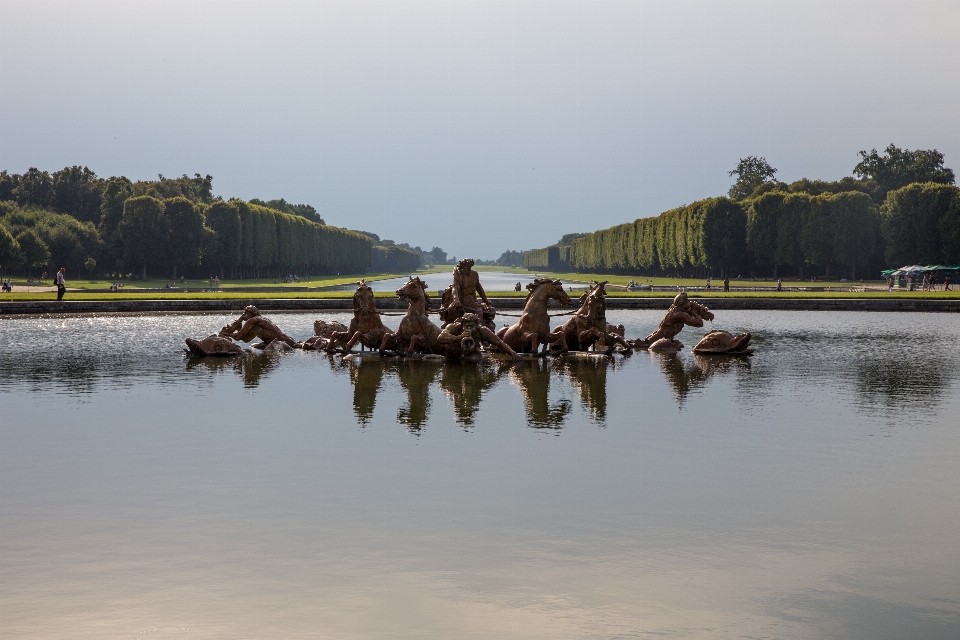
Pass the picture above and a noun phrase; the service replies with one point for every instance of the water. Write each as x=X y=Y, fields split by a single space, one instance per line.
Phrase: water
x=809 y=491
x=490 y=280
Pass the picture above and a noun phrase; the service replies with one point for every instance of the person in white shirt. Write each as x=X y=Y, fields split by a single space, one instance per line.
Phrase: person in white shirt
x=61 y=283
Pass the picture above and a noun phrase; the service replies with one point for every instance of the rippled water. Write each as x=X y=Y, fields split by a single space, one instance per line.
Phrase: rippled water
x=810 y=491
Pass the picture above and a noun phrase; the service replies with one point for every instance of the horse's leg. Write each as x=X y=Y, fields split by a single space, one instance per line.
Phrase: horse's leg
x=414 y=339
x=383 y=343
x=353 y=340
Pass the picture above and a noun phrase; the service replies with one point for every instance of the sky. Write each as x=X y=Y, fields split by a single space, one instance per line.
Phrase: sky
x=474 y=126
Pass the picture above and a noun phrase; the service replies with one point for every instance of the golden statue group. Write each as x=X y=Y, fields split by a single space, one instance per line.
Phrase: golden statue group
x=468 y=329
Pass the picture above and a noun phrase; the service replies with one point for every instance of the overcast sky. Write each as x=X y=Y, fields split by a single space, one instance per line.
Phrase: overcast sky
x=475 y=126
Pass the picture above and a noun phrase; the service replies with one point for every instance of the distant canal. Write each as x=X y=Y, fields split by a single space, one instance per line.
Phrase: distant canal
x=810 y=491
x=490 y=280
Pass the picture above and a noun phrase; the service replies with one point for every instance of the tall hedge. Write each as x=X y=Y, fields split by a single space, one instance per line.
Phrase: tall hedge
x=395 y=260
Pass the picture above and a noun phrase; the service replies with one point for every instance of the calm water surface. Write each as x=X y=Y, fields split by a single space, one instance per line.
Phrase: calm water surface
x=811 y=491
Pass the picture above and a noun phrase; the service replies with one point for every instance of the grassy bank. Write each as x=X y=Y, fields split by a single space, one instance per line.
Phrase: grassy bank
x=294 y=295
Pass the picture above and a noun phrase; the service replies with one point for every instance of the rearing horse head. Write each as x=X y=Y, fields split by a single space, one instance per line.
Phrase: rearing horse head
x=593 y=300
x=414 y=289
x=552 y=288
x=363 y=299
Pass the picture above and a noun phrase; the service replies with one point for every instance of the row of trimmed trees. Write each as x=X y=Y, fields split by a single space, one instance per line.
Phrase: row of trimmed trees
x=775 y=233
x=171 y=226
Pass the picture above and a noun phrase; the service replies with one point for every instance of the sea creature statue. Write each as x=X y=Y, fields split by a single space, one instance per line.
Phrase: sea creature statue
x=213 y=346
x=322 y=333
x=366 y=327
x=252 y=325
x=533 y=327
x=417 y=332
x=588 y=327
x=461 y=297
x=721 y=342
x=682 y=312
x=463 y=337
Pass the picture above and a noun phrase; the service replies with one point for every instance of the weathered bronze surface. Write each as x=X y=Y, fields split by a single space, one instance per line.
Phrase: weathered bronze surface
x=461 y=297
x=322 y=333
x=533 y=327
x=588 y=327
x=366 y=327
x=463 y=338
x=213 y=346
x=252 y=325
x=417 y=333
x=721 y=342
x=683 y=312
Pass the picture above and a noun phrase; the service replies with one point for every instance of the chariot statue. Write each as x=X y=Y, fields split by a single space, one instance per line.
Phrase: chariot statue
x=463 y=338
x=461 y=297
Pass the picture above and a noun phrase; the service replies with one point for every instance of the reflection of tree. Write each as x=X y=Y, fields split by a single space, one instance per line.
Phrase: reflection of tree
x=892 y=382
x=533 y=377
x=366 y=376
x=465 y=383
x=416 y=376
x=250 y=367
x=685 y=377
x=589 y=376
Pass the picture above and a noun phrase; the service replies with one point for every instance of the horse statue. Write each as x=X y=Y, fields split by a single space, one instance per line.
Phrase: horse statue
x=322 y=332
x=417 y=332
x=588 y=327
x=366 y=327
x=533 y=327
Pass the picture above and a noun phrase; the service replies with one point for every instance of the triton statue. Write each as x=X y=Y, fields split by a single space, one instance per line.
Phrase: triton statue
x=683 y=312
x=252 y=325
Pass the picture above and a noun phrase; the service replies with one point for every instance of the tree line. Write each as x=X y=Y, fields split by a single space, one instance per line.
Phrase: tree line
x=172 y=226
x=901 y=208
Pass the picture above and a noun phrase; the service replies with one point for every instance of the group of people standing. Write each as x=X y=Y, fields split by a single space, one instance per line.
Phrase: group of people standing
x=927 y=283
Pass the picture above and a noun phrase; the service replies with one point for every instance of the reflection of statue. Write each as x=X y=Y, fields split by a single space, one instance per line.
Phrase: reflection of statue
x=366 y=326
x=589 y=376
x=461 y=297
x=252 y=325
x=588 y=326
x=534 y=324
x=682 y=312
x=366 y=376
x=685 y=377
x=465 y=383
x=250 y=367
x=724 y=343
x=417 y=332
x=322 y=333
x=462 y=338
x=416 y=376
x=533 y=378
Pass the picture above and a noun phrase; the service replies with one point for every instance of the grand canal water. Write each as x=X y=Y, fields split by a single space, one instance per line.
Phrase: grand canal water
x=811 y=491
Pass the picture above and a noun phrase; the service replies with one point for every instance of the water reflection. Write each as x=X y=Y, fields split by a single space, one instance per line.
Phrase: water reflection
x=251 y=367
x=465 y=383
x=533 y=378
x=589 y=377
x=690 y=374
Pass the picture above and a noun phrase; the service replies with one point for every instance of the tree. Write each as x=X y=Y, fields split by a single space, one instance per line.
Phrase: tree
x=899 y=167
x=76 y=191
x=90 y=264
x=187 y=232
x=912 y=220
x=144 y=230
x=10 y=254
x=856 y=228
x=224 y=219
x=35 y=251
x=751 y=172
x=115 y=193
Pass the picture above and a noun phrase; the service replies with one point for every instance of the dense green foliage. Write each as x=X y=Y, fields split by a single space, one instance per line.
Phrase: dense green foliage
x=395 y=259
x=170 y=226
x=899 y=167
x=770 y=228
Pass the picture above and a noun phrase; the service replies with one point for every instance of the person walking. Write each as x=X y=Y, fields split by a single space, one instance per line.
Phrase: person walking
x=726 y=285
x=946 y=284
x=61 y=283
x=779 y=284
